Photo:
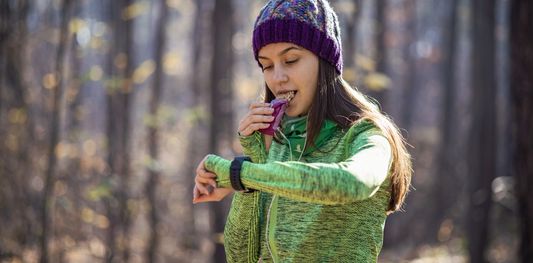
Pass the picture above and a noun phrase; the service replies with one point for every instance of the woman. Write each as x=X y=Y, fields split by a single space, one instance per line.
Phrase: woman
x=334 y=170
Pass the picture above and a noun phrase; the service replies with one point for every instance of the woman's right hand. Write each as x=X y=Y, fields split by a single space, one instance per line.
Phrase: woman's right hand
x=258 y=117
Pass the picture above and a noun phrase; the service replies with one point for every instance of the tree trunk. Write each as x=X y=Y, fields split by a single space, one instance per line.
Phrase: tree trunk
x=195 y=147
x=446 y=156
x=127 y=90
x=111 y=133
x=153 y=130
x=47 y=205
x=350 y=43
x=522 y=95
x=221 y=101
x=4 y=34
x=381 y=6
x=119 y=97
x=482 y=152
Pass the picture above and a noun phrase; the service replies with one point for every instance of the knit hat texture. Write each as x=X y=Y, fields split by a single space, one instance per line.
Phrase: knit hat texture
x=311 y=24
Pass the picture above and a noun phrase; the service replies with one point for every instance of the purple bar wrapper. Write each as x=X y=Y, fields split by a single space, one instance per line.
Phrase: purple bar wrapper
x=279 y=109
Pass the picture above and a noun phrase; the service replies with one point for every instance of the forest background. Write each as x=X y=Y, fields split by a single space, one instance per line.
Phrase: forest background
x=107 y=107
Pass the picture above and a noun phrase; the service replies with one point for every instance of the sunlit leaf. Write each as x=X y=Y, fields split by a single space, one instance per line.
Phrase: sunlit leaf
x=83 y=36
x=61 y=150
x=89 y=147
x=12 y=142
x=377 y=81
x=165 y=112
x=125 y=86
x=171 y=63
x=76 y=24
x=136 y=9
x=193 y=115
x=37 y=183
x=132 y=205
x=100 y=28
x=218 y=238
x=50 y=80
x=69 y=241
x=348 y=74
x=240 y=41
x=96 y=42
x=445 y=230
x=144 y=71
x=17 y=115
x=344 y=7
x=145 y=206
x=72 y=90
x=65 y=202
x=101 y=221
x=152 y=163
x=60 y=188
x=184 y=6
x=73 y=150
x=86 y=214
x=248 y=88
x=96 y=193
x=365 y=63
x=149 y=120
x=121 y=60
x=96 y=73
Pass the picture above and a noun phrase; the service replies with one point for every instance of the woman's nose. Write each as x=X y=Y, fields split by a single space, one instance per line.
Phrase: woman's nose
x=280 y=76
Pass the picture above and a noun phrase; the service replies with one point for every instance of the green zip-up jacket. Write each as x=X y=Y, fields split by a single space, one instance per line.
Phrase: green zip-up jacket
x=331 y=207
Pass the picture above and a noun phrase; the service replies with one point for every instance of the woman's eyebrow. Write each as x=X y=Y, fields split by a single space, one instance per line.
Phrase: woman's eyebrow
x=281 y=53
x=287 y=50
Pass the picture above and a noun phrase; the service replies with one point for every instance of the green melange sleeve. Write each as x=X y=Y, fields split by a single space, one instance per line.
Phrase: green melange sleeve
x=242 y=233
x=356 y=178
x=254 y=147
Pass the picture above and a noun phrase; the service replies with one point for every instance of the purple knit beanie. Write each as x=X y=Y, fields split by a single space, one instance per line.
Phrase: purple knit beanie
x=311 y=24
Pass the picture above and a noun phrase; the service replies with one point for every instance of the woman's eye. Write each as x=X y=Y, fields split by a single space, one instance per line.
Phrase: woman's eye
x=292 y=61
x=265 y=68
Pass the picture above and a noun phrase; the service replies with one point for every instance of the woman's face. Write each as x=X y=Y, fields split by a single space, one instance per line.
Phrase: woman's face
x=289 y=67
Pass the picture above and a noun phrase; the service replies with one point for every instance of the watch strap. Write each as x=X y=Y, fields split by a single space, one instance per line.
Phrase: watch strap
x=235 y=174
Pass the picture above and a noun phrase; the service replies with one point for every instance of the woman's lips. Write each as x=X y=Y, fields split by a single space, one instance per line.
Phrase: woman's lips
x=288 y=95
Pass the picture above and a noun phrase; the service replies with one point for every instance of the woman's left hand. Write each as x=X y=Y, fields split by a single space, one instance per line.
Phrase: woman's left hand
x=203 y=179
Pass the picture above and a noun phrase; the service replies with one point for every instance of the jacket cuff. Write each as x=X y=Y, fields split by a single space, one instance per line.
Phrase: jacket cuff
x=220 y=167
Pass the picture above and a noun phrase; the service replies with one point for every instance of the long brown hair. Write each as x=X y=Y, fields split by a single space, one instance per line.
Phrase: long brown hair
x=337 y=101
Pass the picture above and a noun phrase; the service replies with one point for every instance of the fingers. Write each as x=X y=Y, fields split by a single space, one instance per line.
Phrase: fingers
x=195 y=193
x=254 y=127
x=257 y=118
x=254 y=105
x=201 y=187
x=261 y=111
x=207 y=178
x=217 y=195
x=201 y=168
x=206 y=181
x=257 y=104
x=206 y=175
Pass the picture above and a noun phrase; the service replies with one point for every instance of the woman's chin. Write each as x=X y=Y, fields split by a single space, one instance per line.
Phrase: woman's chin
x=291 y=112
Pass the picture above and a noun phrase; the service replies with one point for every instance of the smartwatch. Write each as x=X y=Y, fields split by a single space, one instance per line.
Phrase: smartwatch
x=235 y=174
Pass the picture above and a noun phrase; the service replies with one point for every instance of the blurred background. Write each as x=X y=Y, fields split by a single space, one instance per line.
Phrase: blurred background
x=107 y=107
